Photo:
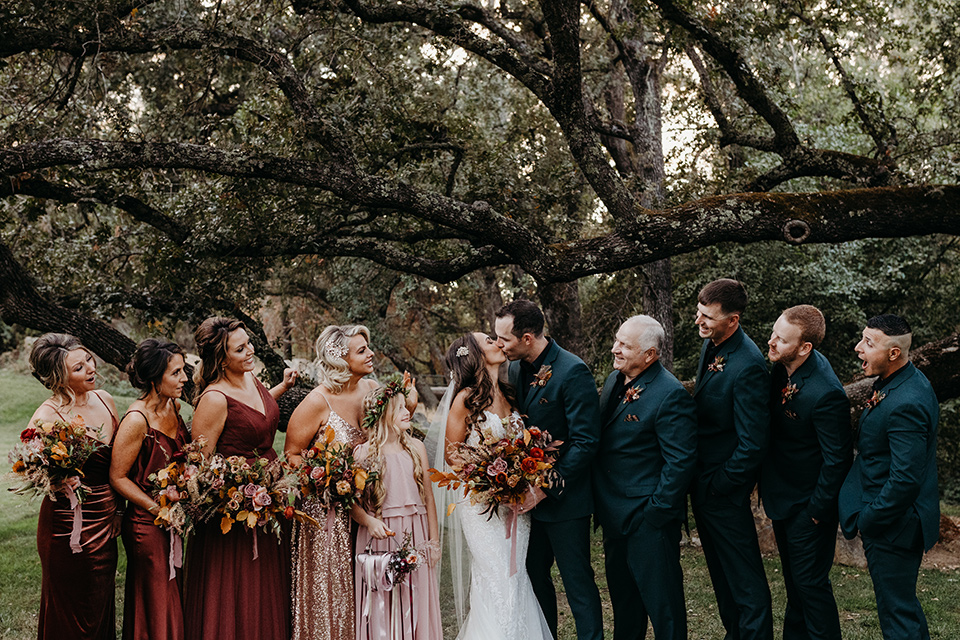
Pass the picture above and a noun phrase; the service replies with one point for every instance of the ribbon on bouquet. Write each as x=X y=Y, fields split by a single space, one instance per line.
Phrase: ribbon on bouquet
x=77 y=518
x=175 y=557
x=256 y=550
x=512 y=516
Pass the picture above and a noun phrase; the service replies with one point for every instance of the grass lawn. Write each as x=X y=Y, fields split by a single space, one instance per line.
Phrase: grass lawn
x=20 y=566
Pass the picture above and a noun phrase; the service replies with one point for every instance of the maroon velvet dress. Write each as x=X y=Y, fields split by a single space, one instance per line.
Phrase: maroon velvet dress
x=152 y=606
x=228 y=594
x=77 y=589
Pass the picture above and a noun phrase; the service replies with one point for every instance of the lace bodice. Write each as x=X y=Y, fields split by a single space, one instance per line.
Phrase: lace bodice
x=493 y=426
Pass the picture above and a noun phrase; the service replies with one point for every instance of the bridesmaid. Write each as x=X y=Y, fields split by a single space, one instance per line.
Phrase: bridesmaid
x=77 y=589
x=228 y=593
x=149 y=434
x=323 y=559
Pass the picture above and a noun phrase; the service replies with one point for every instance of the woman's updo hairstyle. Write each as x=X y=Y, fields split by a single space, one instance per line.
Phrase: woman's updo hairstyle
x=211 y=339
x=48 y=362
x=145 y=370
x=332 y=347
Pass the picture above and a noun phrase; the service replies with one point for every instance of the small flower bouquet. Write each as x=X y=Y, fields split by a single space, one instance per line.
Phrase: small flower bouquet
x=501 y=471
x=404 y=560
x=329 y=472
x=176 y=488
x=49 y=454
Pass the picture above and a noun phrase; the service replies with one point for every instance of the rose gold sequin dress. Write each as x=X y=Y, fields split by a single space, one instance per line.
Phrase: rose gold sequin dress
x=323 y=564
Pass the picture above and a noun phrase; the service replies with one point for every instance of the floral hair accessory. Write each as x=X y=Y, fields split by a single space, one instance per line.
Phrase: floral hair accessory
x=392 y=388
x=718 y=364
x=335 y=350
x=540 y=378
x=631 y=394
x=788 y=393
x=463 y=351
x=875 y=399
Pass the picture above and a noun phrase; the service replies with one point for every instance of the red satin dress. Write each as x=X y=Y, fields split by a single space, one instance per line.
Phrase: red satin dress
x=152 y=604
x=77 y=589
x=228 y=594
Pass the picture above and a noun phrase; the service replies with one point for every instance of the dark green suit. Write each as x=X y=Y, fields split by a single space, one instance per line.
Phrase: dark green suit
x=890 y=496
x=648 y=450
x=567 y=406
x=811 y=449
x=733 y=425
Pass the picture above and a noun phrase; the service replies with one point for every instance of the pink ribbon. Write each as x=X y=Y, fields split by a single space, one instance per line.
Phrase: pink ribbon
x=175 y=557
x=77 y=518
x=512 y=516
x=256 y=550
x=331 y=514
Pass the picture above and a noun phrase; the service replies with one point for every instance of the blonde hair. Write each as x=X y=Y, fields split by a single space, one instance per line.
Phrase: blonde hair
x=48 y=362
x=377 y=437
x=332 y=369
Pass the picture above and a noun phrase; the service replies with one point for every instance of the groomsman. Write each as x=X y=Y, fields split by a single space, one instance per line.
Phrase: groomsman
x=557 y=392
x=890 y=494
x=811 y=449
x=648 y=449
x=733 y=422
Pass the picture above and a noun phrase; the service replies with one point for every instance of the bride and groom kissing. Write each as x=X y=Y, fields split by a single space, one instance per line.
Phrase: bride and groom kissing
x=553 y=389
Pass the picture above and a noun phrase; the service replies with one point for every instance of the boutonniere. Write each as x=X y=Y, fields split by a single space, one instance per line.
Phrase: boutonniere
x=875 y=399
x=788 y=393
x=631 y=394
x=540 y=378
x=718 y=364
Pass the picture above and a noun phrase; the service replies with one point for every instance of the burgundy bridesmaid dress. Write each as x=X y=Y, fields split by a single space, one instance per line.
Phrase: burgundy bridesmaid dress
x=77 y=589
x=228 y=594
x=152 y=604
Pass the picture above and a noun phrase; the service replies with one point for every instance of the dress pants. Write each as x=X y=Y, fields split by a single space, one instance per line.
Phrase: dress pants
x=646 y=581
x=806 y=554
x=567 y=543
x=894 y=570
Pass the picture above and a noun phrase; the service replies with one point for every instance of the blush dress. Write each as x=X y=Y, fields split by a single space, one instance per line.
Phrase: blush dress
x=152 y=603
x=322 y=562
x=77 y=589
x=403 y=511
x=227 y=593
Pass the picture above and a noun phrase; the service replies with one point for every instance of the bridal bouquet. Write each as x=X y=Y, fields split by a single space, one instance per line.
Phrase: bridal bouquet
x=49 y=454
x=329 y=472
x=501 y=470
x=176 y=488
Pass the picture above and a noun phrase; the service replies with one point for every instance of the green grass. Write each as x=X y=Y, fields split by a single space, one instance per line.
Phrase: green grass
x=20 y=566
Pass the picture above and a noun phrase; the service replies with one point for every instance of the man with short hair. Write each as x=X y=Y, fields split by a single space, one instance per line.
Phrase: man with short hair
x=811 y=449
x=890 y=495
x=648 y=449
x=557 y=392
x=733 y=421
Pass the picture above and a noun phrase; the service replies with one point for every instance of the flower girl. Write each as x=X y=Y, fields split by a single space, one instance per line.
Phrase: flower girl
x=399 y=504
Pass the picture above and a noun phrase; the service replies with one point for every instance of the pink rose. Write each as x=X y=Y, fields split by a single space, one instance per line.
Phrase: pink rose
x=316 y=473
x=171 y=493
x=262 y=498
x=498 y=466
x=250 y=490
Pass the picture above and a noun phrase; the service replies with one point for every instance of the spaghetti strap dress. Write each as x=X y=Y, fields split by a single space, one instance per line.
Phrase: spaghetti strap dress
x=322 y=564
x=228 y=593
x=152 y=603
x=77 y=589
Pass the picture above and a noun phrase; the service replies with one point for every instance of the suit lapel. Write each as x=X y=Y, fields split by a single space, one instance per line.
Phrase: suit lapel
x=725 y=351
x=701 y=379
x=640 y=383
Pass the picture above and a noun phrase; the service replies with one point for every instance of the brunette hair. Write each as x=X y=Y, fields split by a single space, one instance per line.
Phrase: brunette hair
x=896 y=328
x=465 y=362
x=731 y=294
x=812 y=324
x=145 y=370
x=211 y=339
x=48 y=362
x=331 y=347
x=377 y=436
x=527 y=317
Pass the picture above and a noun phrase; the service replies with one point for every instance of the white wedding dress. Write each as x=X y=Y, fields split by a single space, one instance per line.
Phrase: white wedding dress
x=502 y=607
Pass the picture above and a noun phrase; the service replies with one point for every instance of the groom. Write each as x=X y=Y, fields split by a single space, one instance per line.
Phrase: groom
x=556 y=392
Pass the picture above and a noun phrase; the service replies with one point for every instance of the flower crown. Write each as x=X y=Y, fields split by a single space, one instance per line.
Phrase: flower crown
x=393 y=388
x=335 y=350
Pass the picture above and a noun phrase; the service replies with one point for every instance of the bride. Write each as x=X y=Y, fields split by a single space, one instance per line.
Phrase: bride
x=502 y=606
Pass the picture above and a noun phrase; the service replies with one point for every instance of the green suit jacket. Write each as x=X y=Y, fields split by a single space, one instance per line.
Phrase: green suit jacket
x=811 y=443
x=892 y=487
x=733 y=418
x=568 y=407
x=648 y=450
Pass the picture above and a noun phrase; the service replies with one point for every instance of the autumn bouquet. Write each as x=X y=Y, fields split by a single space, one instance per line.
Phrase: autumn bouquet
x=329 y=473
x=177 y=489
x=404 y=560
x=49 y=454
x=502 y=470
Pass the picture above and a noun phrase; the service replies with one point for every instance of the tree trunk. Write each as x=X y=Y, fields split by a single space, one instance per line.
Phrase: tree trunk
x=561 y=306
x=658 y=303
